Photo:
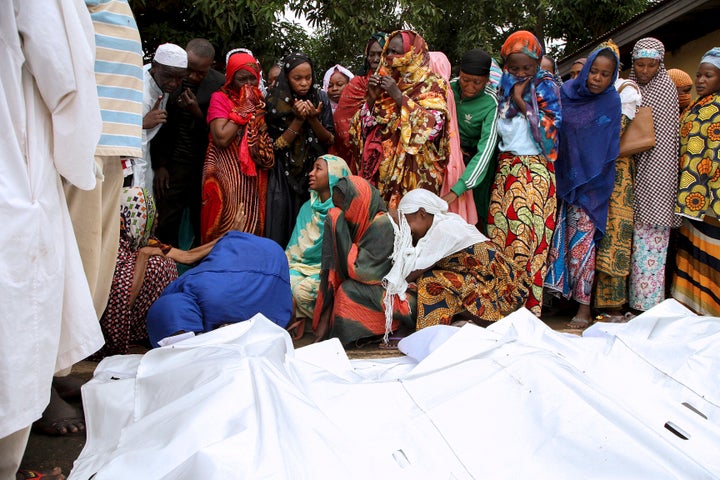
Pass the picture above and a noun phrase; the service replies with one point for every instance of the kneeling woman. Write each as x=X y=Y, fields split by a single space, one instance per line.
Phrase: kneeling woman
x=241 y=276
x=460 y=273
x=304 y=252
x=357 y=245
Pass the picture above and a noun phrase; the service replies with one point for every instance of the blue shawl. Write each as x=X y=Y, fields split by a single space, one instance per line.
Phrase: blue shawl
x=589 y=145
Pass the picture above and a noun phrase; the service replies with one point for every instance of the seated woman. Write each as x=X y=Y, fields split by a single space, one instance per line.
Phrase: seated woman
x=241 y=276
x=357 y=244
x=304 y=252
x=142 y=271
x=460 y=273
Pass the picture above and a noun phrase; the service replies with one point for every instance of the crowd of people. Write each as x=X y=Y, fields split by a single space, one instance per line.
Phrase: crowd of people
x=373 y=204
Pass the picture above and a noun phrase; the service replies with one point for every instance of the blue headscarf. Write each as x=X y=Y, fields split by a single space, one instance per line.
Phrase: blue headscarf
x=589 y=144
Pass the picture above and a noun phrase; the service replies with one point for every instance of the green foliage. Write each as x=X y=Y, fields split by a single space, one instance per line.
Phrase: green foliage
x=341 y=27
x=228 y=24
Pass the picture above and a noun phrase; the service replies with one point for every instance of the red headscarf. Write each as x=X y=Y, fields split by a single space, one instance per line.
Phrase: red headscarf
x=241 y=61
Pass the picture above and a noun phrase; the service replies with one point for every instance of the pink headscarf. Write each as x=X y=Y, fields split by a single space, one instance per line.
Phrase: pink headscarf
x=465 y=204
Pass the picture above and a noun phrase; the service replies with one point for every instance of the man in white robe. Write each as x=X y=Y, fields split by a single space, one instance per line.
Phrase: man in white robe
x=161 y=77
x=49 y=126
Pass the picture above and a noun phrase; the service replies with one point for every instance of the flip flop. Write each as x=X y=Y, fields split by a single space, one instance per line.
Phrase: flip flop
x=576 y=324
x=54 y=474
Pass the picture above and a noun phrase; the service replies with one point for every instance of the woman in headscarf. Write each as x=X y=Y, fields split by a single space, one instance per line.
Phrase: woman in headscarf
x=463 y=204
x=460 y=273
x=304 y=251
x=521 y=217
x=235 y=172
x=684 y=85
x=353 y=98
x=696 y=282
x=656 y=180
x=614 y=249
x=300 y=122
x=585 y=174
x=336 y=79
x=357 y=245
x=142 y=272
x=401 y=135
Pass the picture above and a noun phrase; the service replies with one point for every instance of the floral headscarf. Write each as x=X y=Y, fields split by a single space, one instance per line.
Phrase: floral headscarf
x=137 y=216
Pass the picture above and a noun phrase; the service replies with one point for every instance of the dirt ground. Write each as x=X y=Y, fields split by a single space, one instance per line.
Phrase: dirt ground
x=44 y=451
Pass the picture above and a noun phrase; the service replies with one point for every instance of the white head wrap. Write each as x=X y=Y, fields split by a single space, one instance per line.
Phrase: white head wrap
x=331 y=70
x=171 y=55
x=448 y=234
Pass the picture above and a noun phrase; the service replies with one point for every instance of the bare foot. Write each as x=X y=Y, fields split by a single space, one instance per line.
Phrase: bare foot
x=60 y=418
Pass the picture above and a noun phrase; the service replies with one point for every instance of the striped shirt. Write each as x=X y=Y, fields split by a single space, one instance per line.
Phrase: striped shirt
x=119 y=77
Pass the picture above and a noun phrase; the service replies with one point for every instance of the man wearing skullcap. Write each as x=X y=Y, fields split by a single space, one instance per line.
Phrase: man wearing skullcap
x=160 y=77
x=178 y=151
x=476 y=103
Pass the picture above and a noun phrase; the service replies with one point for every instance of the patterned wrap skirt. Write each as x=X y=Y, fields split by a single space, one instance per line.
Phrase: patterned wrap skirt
x=478 y=280
x=521 y=218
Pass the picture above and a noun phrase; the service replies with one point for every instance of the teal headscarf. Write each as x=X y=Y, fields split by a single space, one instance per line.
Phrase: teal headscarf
x=304 y=251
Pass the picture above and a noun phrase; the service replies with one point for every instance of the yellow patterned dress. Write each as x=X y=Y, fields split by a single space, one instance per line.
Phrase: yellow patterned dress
x=696 y=281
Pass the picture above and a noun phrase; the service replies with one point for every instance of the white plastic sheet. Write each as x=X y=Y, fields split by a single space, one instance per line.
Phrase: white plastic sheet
x=514 y=401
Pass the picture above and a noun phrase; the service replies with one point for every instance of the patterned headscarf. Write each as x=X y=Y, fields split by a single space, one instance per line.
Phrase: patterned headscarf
x=137 y=216
x=661 y=94
x=542 y=96
x=413 y=64
x=523 y=42
x=298 y=158
x=712 y=57
x=362 y=202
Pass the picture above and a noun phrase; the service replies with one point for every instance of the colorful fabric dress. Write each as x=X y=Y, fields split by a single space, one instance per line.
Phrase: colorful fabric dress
x=462 y=271
x=521 y=216
x=656 y=182
x=357 y=245
x=479 y=280
x=304 y=251
x=288 y=180
x=585 y=174
x=123 y=323
x=614 y=250
x=403 y=147
x=235 y=177
x=696 y=282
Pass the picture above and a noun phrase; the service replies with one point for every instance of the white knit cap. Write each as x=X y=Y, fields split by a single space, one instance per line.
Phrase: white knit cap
x=171 y=55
